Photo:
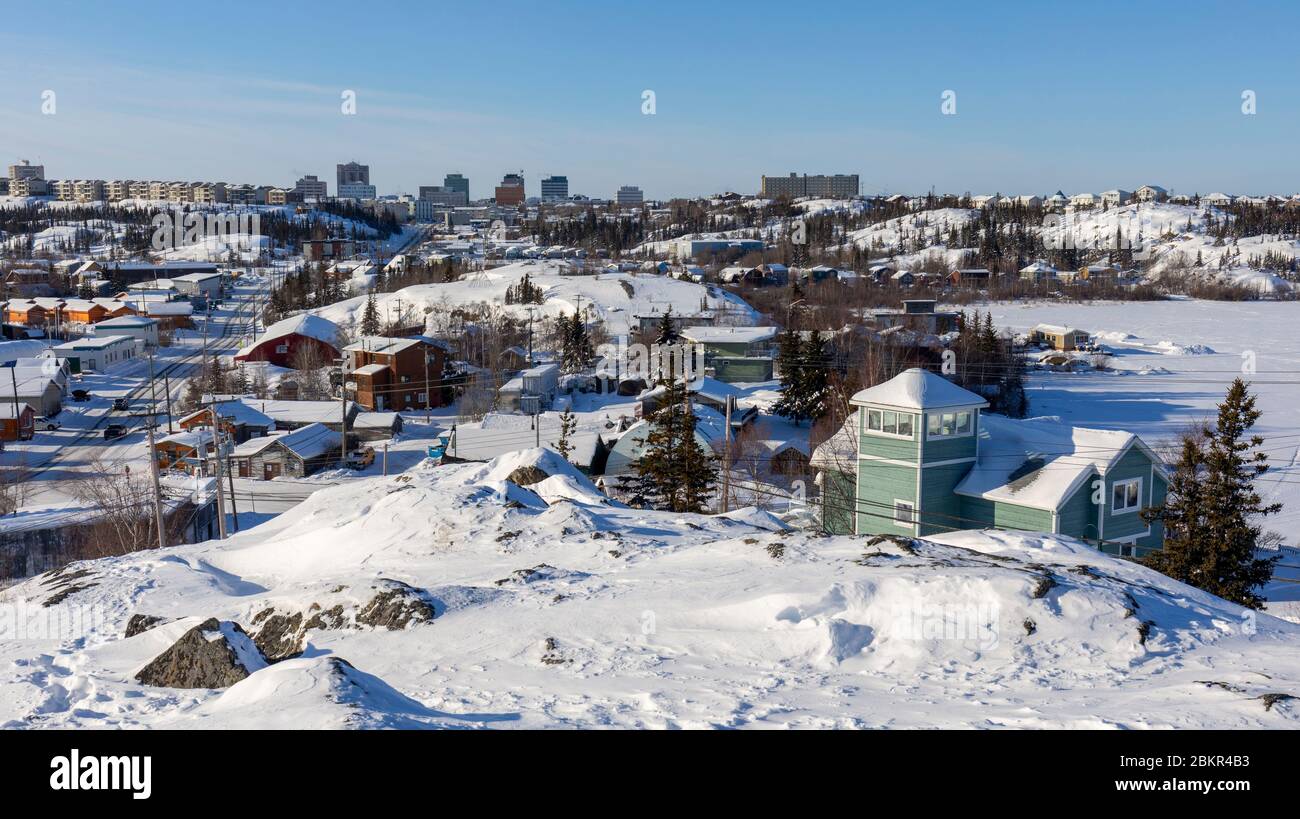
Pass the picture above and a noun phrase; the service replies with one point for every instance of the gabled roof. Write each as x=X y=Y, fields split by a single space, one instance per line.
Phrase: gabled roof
x=920 y=390
x=236 y=412
x=304 y=324
x=310 y=441
x=1041 y=462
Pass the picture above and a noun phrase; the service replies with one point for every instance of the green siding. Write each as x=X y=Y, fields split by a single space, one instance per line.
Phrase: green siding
x=1134 y=464
x=837 y=499
x=879 y=485
x=738 y=370
x=1078 y=516
x=941 y=510
x=1006 y=515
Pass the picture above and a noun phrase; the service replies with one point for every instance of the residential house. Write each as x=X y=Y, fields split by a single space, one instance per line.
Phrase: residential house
x=1151 y=193
x=395 y=373
x=285 y=341
x=1218 y=200
x=735 y=354
x=971 y=277
x=1085 y=201
x=188 y=451
x=743 y=275
x=1065 y=339
x=239 y=421
x=41 y=387
x=17 y=421
x=531 y=391
x=1038 y=272
x=1099 y=273
x=917 y=315
x=294 y=454
x=1115 y=198
x=928 y=461
x=290 y=415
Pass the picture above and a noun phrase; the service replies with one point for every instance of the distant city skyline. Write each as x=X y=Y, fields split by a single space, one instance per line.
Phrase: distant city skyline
x=1044 y=98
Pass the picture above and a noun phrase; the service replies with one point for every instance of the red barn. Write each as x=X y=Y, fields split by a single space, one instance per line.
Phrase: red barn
x=283 y=341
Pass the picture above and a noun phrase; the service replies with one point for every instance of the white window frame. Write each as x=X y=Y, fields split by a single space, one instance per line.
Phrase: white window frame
x=1127 y=510
x=880 y=433
x=938 y=416
x=910 y=523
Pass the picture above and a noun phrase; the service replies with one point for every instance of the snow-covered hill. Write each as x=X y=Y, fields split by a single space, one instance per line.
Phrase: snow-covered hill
x=614 y=298
x=456 y=596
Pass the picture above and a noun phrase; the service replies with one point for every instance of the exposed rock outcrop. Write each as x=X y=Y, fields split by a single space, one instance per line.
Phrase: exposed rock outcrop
x=213 y=654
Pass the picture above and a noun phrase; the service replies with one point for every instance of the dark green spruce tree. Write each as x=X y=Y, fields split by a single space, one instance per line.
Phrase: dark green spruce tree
x=1211 y=509
x=790 y=358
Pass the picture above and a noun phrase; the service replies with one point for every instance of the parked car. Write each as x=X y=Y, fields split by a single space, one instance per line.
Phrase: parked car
x=47 y=423
x=80 y=395
x=114 y=431
x=361 y=458
x=121 y=404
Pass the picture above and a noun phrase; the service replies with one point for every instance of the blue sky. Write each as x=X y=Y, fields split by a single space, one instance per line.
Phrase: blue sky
x=1082 y=96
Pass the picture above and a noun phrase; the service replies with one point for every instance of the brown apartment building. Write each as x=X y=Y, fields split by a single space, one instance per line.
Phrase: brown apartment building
x=390 y=374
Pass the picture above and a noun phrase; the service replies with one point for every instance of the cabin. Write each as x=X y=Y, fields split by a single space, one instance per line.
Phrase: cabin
x=928 y=460
x=1064 y=339
x=1038 y=272
x=971 y=277
x=239 y=421
x=294 y=454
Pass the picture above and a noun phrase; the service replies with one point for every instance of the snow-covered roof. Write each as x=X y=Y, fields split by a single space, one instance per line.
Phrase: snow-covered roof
x=311 y=441
x=382 y=344
x=236 y=412
x=918 y=389
x=840 y=451
x=370 y=369
x=1039 y=462
x=728 y=335
x=304 y=324
x=298 y=412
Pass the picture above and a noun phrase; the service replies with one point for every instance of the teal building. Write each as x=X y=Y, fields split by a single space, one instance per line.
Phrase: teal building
x=920 y=457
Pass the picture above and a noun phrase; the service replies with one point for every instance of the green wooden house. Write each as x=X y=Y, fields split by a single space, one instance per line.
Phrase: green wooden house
x=919 y=457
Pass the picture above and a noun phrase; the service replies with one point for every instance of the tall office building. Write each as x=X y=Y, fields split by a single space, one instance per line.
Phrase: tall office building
x=839 y=186
x=26 y=170
x=353 y=173
x=443 y=195
x=629 y=196
x=555 y=188
x=511 y=190
x=457 y=183
x=309 y=187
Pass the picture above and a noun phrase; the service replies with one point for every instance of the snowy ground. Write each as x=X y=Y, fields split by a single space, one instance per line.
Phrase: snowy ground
x=613 y=298
x=1172 y=363
x=557 y=609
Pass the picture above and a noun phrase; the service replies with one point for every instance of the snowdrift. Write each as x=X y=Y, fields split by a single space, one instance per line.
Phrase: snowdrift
x=512 y=594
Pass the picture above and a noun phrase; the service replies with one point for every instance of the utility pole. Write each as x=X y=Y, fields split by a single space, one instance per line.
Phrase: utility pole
x=385 y=459
x=216 y=461
x=157 y=487
x=343 y=414
x=167 y=387
x=428 y=417
x=230 y=480
x=537 y=429
x=726 y=464
x=13 y=376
